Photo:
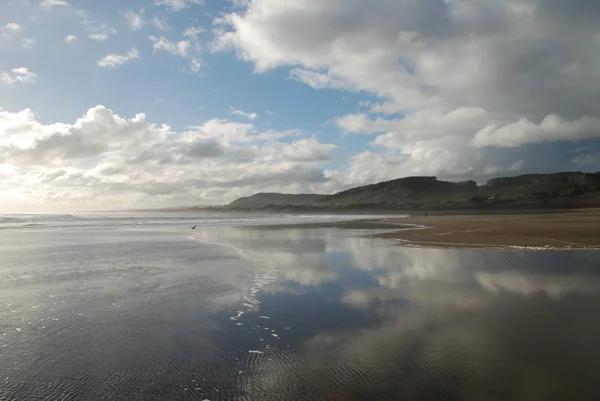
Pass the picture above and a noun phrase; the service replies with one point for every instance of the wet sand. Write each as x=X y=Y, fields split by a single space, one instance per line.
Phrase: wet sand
x=361 y=224
x=237 y=313
x=568 y=230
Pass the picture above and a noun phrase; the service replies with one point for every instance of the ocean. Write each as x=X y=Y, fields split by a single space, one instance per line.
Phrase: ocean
x=142 y=307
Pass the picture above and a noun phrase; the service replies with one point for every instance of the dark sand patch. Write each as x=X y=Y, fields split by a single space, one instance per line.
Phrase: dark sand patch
x=367 y=224
x=568 y=230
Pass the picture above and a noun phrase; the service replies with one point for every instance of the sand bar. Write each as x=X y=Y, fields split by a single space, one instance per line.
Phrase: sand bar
x=568 y=230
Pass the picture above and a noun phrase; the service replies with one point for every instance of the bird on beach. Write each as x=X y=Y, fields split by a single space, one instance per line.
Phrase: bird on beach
x=194 y=227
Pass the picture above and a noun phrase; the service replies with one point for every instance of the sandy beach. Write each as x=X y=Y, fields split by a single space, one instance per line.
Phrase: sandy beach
x=568 y=230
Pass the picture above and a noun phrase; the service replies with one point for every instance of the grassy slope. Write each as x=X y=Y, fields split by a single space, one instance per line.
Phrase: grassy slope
x=561 y=190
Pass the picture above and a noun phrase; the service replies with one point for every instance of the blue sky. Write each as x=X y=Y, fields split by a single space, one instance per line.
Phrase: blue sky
x=236 y=97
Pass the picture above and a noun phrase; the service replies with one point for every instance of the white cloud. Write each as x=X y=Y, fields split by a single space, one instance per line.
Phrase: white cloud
x=19 y=75
x=100 y=32
x=47 y=4
x=178 y=5
x=228 y=131
x=27 y=43
x=319 y=80
x=13 y=27
x=425 y=142
x=491 y=170
x=162 y=44
x=135 y=20
x=249 y=116
x=115 y=60
x=132 y=161
x=442 y=157
x=241 y=3
x=475 y=71
x=455 y=88
x=516 y=166
x=420 y=124
x=551 y=128
x=589 y=159
x=235 y=132
x=195 y=65
x=189 y=49
x=100 y=37
x=70 y=39
x=14 y=31
x=194 y=31
x=367 y=168
x=333 y=52
x=160 y=24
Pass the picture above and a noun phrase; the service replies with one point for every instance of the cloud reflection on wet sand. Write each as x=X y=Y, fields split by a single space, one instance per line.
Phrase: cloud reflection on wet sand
x=452 y=324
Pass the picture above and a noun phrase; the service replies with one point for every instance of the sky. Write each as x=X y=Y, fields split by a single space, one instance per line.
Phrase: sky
x=120 y=104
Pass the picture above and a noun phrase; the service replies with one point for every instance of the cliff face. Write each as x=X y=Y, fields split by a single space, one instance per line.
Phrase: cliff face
x=403 y=191
x=567 y=178
x=545 y=188
x=569 y=189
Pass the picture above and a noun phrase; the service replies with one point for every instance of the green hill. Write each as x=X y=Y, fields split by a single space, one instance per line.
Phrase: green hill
x=560 y=190
x=265 y=199
x=403 y=192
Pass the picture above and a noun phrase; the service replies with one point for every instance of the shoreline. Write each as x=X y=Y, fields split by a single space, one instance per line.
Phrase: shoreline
x=363 y=211
x=355 y=224
x=558 y=231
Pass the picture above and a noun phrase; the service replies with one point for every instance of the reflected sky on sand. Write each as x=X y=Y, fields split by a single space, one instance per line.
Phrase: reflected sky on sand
x=242 y=313
x=372 y=320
